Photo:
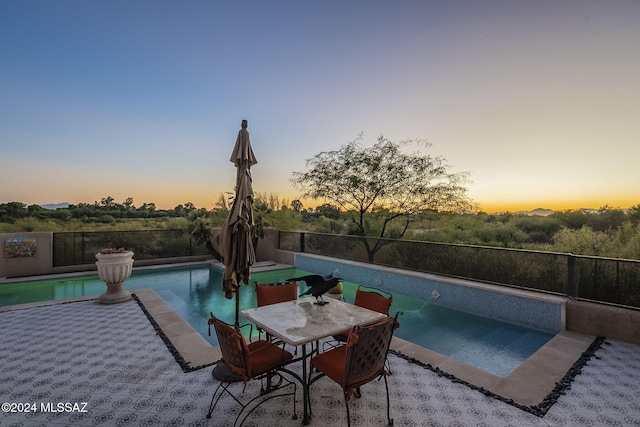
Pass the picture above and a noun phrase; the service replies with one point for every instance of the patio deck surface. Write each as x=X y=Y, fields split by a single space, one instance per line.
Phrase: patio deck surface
x=112 y=362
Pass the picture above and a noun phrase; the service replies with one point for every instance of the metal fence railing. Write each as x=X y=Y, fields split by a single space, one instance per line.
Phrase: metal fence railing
x=75 y=248
x=610 y=280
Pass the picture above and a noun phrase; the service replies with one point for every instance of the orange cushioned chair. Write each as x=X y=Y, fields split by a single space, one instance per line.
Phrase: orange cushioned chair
x=274 y=293
x=359 y=362
x=256 y=360
x=371 y=300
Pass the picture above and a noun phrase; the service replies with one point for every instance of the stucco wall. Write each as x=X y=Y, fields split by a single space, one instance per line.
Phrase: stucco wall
x=268 y=249
x=604 y=320
x=40 y=263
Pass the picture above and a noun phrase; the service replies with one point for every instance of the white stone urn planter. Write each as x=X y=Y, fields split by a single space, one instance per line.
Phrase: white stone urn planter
x=114 y=267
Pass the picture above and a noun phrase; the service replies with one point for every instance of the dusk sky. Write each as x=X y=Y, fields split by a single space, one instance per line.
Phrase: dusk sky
x=538 y=100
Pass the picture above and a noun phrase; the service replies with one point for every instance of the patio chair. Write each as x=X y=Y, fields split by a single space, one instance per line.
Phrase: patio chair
x=275 y=293
x=368 y=299
x=259 y=360
x=359 y=362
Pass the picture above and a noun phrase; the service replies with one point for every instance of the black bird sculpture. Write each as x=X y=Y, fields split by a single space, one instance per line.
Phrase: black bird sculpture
x=318 y=285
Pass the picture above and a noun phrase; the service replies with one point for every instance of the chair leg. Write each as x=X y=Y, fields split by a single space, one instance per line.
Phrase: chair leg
x=269 y=376
x=214 y=400
x=346 y=404
x=386 y=386
x=222 y=388
x=261 y=400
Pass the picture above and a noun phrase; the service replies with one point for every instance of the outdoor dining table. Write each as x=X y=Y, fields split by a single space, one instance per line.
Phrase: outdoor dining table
x=303 y=322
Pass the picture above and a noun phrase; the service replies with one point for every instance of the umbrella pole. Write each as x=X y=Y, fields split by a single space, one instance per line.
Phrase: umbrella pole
x=237 y=308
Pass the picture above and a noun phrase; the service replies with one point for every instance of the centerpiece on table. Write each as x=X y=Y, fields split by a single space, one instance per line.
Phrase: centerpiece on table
x=114 y=267
x=336 y=291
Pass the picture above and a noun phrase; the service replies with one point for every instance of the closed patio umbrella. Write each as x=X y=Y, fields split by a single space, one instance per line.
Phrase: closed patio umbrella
x=234 y=241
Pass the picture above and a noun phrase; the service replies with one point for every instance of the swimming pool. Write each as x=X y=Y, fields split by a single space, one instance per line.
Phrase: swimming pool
x=494 y=346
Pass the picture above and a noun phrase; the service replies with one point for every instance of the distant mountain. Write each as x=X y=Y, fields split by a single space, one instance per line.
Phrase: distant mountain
x=54 y=206
x=535 y=212
x=592 y=210
x=540 y=212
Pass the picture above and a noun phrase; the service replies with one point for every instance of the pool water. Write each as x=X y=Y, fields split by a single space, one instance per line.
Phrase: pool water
x=494 y=346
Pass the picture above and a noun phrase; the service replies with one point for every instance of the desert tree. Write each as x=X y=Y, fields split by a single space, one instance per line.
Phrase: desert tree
x=381 y=187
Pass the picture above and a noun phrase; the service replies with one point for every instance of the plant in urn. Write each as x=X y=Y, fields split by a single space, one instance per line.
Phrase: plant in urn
x=114 y=267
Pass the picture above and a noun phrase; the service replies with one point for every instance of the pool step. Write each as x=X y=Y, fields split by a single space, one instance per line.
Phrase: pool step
x=501 y=351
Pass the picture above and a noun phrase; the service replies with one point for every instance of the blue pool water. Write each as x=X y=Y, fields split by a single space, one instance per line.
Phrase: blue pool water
x=494 y=346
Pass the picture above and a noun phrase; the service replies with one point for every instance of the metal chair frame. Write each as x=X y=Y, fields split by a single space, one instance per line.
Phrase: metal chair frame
x=364 y=292
x=274 y=293
x=364 y=356
x=240 y=358
x=382 y=305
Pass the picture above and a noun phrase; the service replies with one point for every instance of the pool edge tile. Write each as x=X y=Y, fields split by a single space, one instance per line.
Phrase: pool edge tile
x=193 y=348
x=528 y=385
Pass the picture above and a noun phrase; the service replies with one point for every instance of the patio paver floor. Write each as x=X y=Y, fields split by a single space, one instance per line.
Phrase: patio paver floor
x=112 y=359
